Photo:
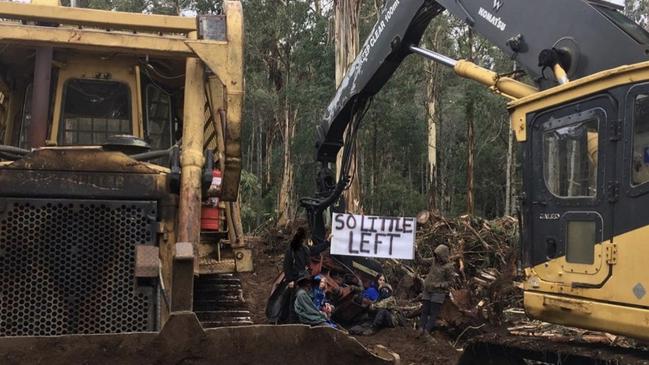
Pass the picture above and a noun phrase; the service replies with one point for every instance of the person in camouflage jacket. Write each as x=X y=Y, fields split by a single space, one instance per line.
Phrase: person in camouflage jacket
x=388 y=313
x=436 y=287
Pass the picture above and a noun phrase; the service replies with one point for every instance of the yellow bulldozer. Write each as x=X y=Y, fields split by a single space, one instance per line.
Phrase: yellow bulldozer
x=120 y=235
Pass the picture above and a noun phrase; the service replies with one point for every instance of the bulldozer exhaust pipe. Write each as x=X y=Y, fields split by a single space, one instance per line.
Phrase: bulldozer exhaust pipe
x=40 y=96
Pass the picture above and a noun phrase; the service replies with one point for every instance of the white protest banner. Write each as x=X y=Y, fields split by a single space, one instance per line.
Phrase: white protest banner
x=373 y=236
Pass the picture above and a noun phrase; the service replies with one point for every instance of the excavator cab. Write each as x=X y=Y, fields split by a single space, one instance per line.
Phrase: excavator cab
x=582 y=128
x=584 y=193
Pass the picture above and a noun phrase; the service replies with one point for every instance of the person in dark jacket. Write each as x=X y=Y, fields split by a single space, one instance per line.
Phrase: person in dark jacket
x=436 y=287
x=296 y=257
x=296 y=261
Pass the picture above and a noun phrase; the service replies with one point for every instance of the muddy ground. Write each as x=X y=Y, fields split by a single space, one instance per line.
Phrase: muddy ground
x=404 y=341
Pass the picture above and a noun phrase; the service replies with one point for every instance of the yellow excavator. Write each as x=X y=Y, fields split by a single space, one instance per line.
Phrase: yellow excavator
x=583 y=129
x=120 y=159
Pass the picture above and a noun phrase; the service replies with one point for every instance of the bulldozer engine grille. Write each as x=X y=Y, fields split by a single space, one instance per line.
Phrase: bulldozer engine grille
x=68 y=267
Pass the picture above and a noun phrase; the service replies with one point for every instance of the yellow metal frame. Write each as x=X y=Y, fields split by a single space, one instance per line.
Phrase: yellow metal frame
x=224 y=58
x=627 y=260
x=571 y=91
x=227 y=64
x=174 y=37
x=97 y=18
x=599 y=296
x=97 y=40
x=588 y=314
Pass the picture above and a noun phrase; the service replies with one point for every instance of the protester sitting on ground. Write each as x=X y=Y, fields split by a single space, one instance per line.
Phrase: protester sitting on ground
x=388 y=314
x=305 y=309
x=383 y=313
x=380 y=280
x=320 y=299
x=436 y=287
x=371 y=293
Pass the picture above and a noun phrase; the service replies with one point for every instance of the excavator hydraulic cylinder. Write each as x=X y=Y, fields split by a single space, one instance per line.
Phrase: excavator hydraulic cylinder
x=504 y=85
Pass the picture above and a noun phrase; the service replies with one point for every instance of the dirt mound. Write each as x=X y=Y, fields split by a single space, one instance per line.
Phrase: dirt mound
x=413 y=349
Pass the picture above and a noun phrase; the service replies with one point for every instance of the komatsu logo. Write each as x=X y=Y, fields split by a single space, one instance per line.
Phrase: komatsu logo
x=498 y=4
x=494 y=20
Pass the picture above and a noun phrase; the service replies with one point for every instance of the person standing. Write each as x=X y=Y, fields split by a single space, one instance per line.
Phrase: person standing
x=436 y=287
x=296 y=257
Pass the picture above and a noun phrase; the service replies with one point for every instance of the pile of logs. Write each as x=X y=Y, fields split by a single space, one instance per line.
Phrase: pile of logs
x=485 y=253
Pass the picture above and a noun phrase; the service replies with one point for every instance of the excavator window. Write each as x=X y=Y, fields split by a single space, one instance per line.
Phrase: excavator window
x=93 y=110
x=640 y=167
x=570 y=158
x=636 y=32
x=580 y=242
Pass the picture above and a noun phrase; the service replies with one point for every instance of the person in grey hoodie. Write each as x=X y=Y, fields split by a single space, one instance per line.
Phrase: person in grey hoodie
x=436 y=287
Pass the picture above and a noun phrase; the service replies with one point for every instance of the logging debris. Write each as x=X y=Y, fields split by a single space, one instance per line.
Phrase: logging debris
x=485 y=253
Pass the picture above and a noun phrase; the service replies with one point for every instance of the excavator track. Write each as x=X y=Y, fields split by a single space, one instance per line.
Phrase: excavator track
x=219 y=301
x=499 y=349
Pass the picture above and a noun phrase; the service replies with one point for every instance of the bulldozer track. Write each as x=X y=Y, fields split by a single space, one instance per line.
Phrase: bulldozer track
x=219 y=301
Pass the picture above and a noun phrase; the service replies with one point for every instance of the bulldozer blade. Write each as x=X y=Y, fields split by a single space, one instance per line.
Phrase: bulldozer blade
x=183 y=341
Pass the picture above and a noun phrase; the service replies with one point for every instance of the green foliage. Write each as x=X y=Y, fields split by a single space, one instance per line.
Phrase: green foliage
x=249 y=190
x=290 y=54
x=289 y=65
x=289 y=60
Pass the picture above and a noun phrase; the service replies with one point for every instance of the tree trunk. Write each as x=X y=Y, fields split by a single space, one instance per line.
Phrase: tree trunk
x=347 y=46
x=470 y=115
x=508 y=172
x=432 y=121
x=318 y=7
x=285 y=211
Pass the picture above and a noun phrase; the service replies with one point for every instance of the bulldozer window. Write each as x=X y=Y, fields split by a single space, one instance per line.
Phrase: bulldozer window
x=26 y=118
x=640 y=165
x=158 y=117
x=3 y=117
x=93 y=110
x=570 y=159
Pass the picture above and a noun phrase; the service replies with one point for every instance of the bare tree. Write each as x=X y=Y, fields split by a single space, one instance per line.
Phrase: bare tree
x=470 y=116
x=432 y=121
x=347 y=14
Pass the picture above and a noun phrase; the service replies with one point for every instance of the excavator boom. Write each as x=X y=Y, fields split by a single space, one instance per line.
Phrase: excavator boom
x=588 y=37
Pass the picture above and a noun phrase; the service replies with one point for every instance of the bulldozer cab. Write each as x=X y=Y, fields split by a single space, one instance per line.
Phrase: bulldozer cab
x=112 y=128
x=97 y=98
x=119 y=172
